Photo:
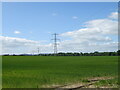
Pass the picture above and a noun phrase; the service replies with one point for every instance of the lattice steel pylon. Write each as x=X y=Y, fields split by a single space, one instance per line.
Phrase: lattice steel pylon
x=55 y=43
x=38 y=50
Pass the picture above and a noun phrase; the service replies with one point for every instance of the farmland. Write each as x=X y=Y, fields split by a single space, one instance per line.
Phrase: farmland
x=44 y=71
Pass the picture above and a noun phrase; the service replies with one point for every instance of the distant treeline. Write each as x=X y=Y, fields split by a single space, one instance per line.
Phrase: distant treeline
x=73 y=54
x=85 y=54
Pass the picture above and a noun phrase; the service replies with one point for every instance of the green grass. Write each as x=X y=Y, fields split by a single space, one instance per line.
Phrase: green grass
x=112 y=83
x=33 y=71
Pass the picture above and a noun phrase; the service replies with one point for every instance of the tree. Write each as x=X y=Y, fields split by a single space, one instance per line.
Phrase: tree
x=118 y=52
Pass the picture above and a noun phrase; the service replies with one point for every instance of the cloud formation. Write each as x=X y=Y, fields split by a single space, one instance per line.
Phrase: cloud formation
x=75 y=17
x=114 y=15
x=96 y=35
x=17 y=32
x=15 y=45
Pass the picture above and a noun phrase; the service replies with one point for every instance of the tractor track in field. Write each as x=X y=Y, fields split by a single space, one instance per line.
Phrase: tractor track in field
x=78 y=86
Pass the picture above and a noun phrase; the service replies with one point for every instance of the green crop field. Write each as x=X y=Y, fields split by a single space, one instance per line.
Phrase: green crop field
x=41 y=71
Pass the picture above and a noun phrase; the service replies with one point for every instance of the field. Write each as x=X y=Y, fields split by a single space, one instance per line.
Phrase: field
x=48 y=71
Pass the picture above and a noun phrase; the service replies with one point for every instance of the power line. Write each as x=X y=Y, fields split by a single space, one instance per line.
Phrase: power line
x=55 y=43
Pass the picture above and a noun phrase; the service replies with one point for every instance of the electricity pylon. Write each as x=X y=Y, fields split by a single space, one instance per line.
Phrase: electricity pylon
x=55 y=43
x=38 y=50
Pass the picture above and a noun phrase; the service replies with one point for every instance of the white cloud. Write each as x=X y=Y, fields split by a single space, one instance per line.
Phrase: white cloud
x=17 y=32
x=114 y=15
x=75 y=17
x=97 y=35
x=16 y=42
x=20 y=45
x=71 y=46
x=15 y=45
x=103 y=26
x=94 y=29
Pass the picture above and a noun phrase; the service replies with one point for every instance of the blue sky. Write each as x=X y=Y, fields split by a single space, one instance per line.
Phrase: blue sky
x=42 y=18
x=38 y=20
